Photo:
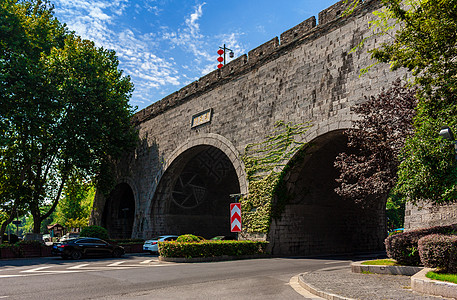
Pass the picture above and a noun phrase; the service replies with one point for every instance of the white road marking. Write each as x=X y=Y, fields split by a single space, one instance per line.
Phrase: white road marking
x=35 y=270
x=116 y=264
x=85 y=268
x=77 y=267
x=146 y=261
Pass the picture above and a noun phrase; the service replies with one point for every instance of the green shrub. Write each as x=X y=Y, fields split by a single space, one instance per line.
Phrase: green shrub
x=439 y=251
x=31 y=242
x=95 y=232
x=211 y=248
x=187 y=238
x=15 y=248
x=403 y=247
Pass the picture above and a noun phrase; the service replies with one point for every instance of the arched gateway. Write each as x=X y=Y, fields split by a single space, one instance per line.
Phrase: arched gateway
x=189 y=160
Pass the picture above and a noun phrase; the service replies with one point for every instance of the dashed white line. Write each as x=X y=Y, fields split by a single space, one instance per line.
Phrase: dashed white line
x=35 y=270
x=77 y=267
x=146 y=261
x=116 y=264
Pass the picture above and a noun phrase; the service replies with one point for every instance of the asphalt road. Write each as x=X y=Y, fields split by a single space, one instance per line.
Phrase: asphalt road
x=144 y=277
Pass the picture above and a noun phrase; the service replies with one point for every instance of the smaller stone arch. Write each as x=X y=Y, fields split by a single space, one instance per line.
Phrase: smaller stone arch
x=120 y=210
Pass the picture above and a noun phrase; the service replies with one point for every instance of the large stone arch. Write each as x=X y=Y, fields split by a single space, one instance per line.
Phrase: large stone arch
x=316 y=220
x=192 y=192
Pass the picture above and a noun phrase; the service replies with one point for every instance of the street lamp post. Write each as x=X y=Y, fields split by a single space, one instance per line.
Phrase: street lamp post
x=447 y=134
x=222 y=51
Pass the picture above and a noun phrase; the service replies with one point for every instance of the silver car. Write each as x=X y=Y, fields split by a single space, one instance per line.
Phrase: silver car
x=152 y=245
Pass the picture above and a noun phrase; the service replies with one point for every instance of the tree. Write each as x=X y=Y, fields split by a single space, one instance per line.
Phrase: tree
x=424 y=35
x=426 y=44
x=73 y=210
x=370 y=172
x=64 y=107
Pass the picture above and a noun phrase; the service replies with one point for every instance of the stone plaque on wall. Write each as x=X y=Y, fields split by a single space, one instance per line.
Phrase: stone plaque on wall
x=202 y=118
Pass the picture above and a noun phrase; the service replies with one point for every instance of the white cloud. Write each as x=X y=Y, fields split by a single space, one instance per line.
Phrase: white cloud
x=150 y=55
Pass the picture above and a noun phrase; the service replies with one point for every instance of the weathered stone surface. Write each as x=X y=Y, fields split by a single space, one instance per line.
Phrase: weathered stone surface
x=425 y=214
x=298 y=31
x=309 y=77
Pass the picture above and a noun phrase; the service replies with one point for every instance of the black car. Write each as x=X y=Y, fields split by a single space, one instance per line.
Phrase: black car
x=85 y=246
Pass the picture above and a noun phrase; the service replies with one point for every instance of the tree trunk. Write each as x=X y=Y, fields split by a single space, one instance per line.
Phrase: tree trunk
x=6 y=222
x=36 y=215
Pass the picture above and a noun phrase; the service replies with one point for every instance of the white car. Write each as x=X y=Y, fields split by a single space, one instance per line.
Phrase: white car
x=152 y=244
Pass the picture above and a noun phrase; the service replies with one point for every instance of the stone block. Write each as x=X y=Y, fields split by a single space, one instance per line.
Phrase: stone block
x=298 y=31
x=263 y=51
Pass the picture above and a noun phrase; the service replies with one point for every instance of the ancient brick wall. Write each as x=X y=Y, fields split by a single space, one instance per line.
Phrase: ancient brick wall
x=309 y=74
x=424 y=215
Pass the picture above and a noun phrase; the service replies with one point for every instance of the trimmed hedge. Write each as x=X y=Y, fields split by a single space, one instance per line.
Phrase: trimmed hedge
x=403 y=247
x=211 y=248
x=187 y=238
x=439 y=251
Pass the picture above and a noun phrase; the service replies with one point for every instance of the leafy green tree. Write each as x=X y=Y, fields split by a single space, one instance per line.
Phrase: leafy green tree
x=63 y=108
x=423 y=40
x=73 y=210
x=426 y=44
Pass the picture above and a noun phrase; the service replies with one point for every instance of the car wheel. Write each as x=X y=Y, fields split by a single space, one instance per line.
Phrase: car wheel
x=75 y=254
x=117 y=253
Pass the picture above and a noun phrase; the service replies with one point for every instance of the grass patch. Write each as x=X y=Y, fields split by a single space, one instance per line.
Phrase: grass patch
x=381 y=262
x=443 y=277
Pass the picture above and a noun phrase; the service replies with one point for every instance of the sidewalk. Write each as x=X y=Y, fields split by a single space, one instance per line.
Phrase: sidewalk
x=341 y=283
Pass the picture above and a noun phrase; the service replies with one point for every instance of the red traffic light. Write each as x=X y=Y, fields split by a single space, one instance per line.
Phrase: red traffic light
x=220 y=51
x=220 y=66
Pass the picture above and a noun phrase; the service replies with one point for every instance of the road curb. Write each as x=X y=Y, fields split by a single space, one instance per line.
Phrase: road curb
x=357 y=267
x=310 y=288
x=421 y=284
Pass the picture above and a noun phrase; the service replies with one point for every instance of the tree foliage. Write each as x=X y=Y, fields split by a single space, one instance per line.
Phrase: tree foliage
x=369 y=171
x=63 y=108
x=423 y=37
x=73 y=210
x=426 y=44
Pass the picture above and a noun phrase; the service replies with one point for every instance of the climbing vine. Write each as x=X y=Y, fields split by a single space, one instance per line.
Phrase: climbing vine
x=266 y=165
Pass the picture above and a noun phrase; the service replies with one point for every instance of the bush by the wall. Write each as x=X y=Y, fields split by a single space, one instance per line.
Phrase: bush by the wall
x=439 y=251
x=403 y=246
x=95 y=232
x=211 y=248
x=187 y=238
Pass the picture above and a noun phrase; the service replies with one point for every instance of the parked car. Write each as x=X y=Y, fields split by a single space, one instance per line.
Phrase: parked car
x=152 y=244
x=71 y=235
x=85 y=246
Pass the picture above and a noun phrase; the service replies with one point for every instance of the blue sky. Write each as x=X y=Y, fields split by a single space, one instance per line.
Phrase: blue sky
x=166 y=44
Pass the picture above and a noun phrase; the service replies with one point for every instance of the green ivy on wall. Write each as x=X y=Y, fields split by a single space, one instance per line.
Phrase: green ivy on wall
x=266 y=164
